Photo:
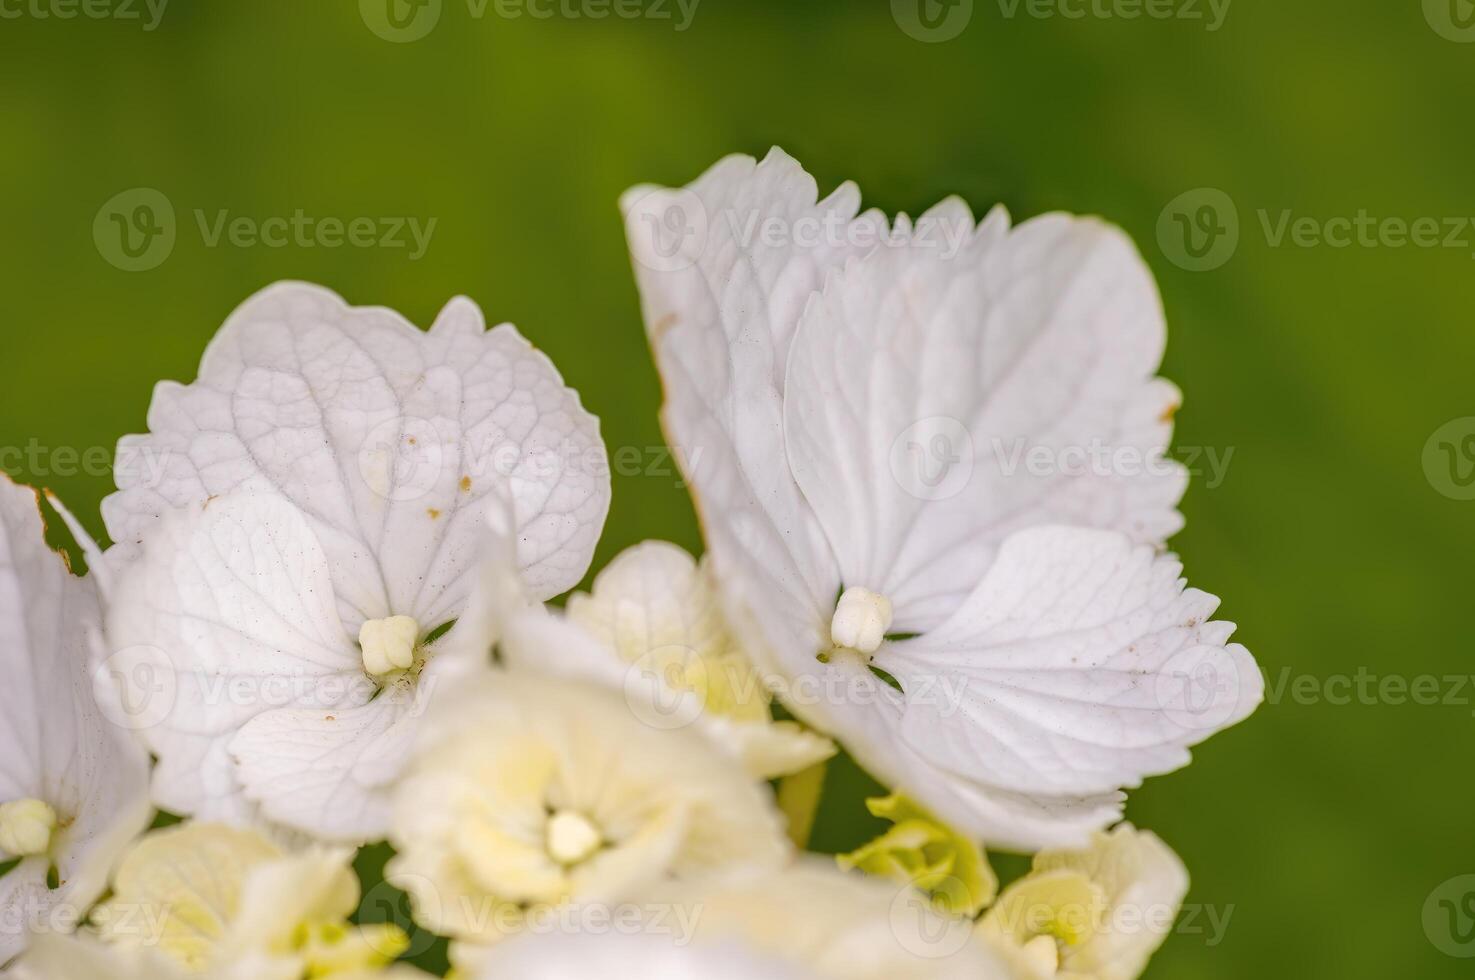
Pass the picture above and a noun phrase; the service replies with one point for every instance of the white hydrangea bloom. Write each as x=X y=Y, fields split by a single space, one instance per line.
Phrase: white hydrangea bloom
x=806 y=920
x=73 y=785
x=1094 y=914
x=532 y=794
x=651 y=628
x=838 y=925
x=886 y=431
x=84 y=957
x=55 y=957
x=655 y=610
x=620 y=955
x=317 y=522
x=217 y=900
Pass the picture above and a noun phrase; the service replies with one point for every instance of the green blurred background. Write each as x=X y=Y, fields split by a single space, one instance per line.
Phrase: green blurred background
x=1321 y=828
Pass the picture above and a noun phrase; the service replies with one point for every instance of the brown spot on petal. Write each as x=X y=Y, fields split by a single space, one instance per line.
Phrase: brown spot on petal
x=1169 y=412
x=665 y=323
x=432 y=512
x=466 y=484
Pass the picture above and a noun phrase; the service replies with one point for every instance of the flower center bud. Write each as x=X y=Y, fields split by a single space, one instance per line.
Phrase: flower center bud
x=862 y=618
x=388 y=644
x=1043 y=955
x=571 y=837
x=26 y=827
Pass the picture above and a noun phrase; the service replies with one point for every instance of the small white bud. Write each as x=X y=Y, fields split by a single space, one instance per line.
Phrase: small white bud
x=862 y=618
x=25 y=827
x=571 y=837
x=1042 y=953
x=388 y=644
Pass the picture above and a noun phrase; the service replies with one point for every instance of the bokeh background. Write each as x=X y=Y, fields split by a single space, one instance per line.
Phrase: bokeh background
x=1321 y=829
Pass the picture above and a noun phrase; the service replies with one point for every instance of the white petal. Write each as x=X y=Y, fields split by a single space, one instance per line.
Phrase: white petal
x=768 y=750
x=329 y=771
x=649 y=596
x=720 y=325
x=1078 y=666
x=839 y=925
x=941 y=395
x=58 y=957
x=655 y=611
x=386 y=437
x=730 y=253
x=228 y=614
x=868 y=717
x=649 y=956
x=1142 y=878
x=506 y=750
x=277 y=898
x=56 y=745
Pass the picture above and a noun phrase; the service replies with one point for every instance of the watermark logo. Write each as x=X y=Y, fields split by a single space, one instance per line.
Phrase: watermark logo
x=933 y=459
x=401 y=459
x=386 y=904
x=1198 y=689
x=135 y=230
x=923 y=931
x=667 y=229
x=663 y=688
x=1453 y=20
x=400 y=21
x=932 y=21
x=1199 y=229
x=1449 y=459
x=1449 y=917
x=136 y=687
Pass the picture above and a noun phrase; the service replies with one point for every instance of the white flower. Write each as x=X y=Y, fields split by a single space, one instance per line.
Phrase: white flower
x=57 y=957
x=82 y=957
x=73 y=786
x=212 y=899
x=532 y=794
x=654 y=609
x=313 y=518
x=651 y=628
x=639 y=955
x=935 y=859
x=836 y=924
x=883 y=430
x=807 y=920
x=1095 y=914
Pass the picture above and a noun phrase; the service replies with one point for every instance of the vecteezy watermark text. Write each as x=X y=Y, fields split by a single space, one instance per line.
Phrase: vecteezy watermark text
x=669 y=230
x=1199 y=230
x=136 y=230
x=403 y=21
x=148 y=13
x=1211 y=13
x=933 y=21
x=1364 y=230
x=1366 y=688
x=308 y=231
x=140 y=465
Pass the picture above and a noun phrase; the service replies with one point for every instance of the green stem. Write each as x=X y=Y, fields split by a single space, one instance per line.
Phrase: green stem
x=798 y=798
